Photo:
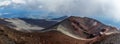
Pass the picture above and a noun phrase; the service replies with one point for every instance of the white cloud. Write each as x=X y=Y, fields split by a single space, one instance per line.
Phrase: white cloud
x=19 y=1
x=5 y=3
x=106 y=8
x=40 y=6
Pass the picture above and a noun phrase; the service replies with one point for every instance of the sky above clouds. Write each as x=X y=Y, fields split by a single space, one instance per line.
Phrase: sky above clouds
x=106 y=11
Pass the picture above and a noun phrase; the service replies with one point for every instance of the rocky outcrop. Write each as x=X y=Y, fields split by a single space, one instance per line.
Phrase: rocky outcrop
x=90 y=26
x=72 y=30
x=111 y=39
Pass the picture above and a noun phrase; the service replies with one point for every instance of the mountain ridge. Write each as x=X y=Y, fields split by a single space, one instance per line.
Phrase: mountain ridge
x=72 y=30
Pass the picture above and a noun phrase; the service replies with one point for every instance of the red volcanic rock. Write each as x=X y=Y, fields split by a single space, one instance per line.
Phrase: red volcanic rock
x=90 y=26
x=72 y=30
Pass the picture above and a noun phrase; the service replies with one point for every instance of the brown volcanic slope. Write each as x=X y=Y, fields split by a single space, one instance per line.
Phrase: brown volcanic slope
x=12 y=36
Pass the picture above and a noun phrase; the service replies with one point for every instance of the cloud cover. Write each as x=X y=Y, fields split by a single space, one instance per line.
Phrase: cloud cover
x=90 y=8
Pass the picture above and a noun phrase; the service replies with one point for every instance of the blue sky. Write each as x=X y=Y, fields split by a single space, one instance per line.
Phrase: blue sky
x=106 y=11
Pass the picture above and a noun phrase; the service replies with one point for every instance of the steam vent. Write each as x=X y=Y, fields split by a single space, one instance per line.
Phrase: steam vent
x=72 y=30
